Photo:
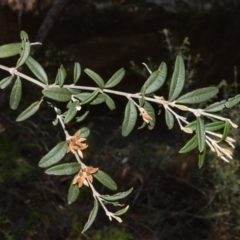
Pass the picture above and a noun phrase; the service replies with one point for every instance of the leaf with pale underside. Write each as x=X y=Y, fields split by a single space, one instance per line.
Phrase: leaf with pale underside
x=117 y=196
x=5 y=82
x=25 y=49
x=71 y=112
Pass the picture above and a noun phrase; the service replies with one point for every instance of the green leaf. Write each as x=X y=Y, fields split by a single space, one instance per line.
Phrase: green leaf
x=115 y=79
x=233 y=101
x=214 y=126
x=89 y=98
x=215 y=107
x=117 y=196
x=95 y=77
x=155 y=80
x=130 y=118
x=5 y=82
x=9 y=50
x=105 y=180
x=25 y=49
x=84 y=132
x=227 y=128
x=121 y=211
x=190 y=145
x=200 y=134
x=110 y=103
x=192 y=125
x=16 y=94
x=150 y=110
x=178 y=79
x=54 y=155
x=73 y=193
x=61 y=76
x=37 y=69
x=71 y=112
x=201 y=157
x=76 y=72
x=81 y=118
x=169 y=118
x=28 y=112
x=64 y=169
x=57 y=93
x=99 y=99
x=92 y=216
x=198 y=96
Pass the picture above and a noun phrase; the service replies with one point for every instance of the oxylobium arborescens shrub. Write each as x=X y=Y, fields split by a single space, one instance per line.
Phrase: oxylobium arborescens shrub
x=207 y=130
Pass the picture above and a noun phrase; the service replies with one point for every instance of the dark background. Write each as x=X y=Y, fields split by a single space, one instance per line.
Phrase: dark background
x=172 y=198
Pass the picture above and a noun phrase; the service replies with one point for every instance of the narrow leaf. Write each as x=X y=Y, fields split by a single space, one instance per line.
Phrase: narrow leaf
x=76 y=72
x=110 y=103
x=121 y=211
x=64 y=169
x=81 y=118
x=58 y=94
x=169 y=118
x=178 y=79
x=95 y=77
x=150 y=110
x=226 y=130
x=5 y=82
x=233 y=101
x=214 y=126
x=9 y=50
x=16 y=94
x=192 y=125
x=117 y=196
x=105 y=180
x=115 y=79
x=37 y=69
x=54 y=155
x=99 y=99
x=198 y=96
x=71 y=112
x=215 y=107
x=25 y=49
x=130 y=118
x=73 y=193
x=90 y=97
x=155 y=80
x=28 y=112
x=200 y=134
x=190 y=145
x=92 y=216
x=201 y=158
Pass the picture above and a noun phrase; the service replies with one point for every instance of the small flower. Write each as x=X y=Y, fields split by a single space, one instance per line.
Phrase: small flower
x=84 y=176
x=146 y=117
x=75 y=144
